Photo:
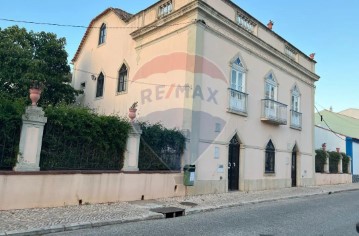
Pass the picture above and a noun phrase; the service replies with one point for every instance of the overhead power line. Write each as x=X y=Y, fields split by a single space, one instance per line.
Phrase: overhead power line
x=322 y=119
x=134 y=81
x=87 y=27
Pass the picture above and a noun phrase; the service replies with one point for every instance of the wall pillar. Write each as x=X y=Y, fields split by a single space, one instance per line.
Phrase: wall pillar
x=132 y=149
x=350 y=165
x=33 y=122
x=326 y=165
x=340 y=165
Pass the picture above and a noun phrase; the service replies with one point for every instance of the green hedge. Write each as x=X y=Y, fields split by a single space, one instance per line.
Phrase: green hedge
x=345 y=162
x=320 y=157
x=160 y=148
x=334 y=158
x=76 y=138
x=10 y=127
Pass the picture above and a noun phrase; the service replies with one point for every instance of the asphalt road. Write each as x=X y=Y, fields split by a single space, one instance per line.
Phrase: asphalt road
x=331 y=214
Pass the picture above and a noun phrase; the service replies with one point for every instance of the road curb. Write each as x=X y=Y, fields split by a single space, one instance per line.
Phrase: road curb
x=207 y=209
x=77 y=226
x=152 y=216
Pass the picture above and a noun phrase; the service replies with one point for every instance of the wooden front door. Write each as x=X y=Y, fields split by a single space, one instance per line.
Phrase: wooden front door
x=294 y=167
x=233 y=165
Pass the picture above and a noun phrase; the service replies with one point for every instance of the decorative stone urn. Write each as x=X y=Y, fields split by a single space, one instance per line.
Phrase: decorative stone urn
x=132 y=111
x=324 y=146
x=270 y=25
x=35 y=94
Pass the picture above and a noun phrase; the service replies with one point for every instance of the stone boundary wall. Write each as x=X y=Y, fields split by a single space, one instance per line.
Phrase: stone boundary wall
x=56 y=189
x=327 y=179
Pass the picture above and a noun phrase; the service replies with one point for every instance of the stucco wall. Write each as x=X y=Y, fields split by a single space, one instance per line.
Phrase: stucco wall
x=197 y=56
x=327 y=179
x=52 y=190
x=332 y=141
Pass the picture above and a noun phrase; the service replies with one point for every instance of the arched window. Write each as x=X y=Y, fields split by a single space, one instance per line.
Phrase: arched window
x=270 y=158
x=100 y=85
x=295 y=99
x=102 y=36
x=238 y=97
x=271 y=87
x=122 y=79
x=296 y=116
x=238 y=75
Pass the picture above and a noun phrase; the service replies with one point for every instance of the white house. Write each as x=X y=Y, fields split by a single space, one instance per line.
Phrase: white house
x=242 y=94
x=339 y=131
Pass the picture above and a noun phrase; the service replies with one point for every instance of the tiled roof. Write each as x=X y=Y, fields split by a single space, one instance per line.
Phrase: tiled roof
x=340 y=124
x=125 y=16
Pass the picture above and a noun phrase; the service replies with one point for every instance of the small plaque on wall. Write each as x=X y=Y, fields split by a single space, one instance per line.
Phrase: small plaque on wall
x=220 y=169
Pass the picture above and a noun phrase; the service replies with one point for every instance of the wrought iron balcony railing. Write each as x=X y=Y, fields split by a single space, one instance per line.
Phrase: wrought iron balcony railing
x=295 y=119
x=274 y=112
x=238 y=101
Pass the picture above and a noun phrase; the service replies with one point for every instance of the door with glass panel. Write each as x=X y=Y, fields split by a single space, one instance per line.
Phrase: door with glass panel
x=270 y=108
x=237 y=98
x=295 y=110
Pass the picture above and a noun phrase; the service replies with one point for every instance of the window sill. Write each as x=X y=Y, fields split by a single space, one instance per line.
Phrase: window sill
x=102 y=44
x=98 y=98
x=296 y=128
x=229 y=110
x=269 y=174
x=121 y=93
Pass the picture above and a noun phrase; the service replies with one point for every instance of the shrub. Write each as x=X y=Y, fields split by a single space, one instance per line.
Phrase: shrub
x=320 y=157
x=160 y=148
x=76 y=138
x=345 y=162
x=11 y=111
x=334 y=158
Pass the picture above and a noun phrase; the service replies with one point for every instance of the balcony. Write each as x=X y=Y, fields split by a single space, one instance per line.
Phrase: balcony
x=274 y=112
x=237 y=102
x=295 y=120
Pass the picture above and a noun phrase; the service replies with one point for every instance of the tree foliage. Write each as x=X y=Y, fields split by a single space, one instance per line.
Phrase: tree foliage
x=27 y=56
x=10 y=126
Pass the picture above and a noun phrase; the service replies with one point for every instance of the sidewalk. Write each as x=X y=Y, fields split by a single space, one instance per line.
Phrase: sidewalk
x=47 y=220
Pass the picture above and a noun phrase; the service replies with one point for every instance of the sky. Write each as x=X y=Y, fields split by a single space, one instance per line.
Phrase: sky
x=328 y=28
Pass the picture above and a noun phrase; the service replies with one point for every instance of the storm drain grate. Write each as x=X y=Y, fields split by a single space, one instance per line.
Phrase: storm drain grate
x=170 y=212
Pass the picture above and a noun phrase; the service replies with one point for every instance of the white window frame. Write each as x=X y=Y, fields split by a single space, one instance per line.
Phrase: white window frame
x=295 y=95
x=271 y=86
x=165 y=9
x=238 y=69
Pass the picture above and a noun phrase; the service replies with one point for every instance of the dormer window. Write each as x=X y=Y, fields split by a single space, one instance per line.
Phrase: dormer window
x=102 y=36
x=165 y=9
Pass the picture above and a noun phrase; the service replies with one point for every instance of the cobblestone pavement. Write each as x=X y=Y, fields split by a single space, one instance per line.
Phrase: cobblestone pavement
x=45 y=218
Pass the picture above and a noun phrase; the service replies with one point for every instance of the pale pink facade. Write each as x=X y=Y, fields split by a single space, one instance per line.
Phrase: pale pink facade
x=205 y=68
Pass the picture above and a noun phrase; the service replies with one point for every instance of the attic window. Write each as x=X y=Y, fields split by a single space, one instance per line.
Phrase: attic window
x=102 y=35
x=165 y=9
x=245 y=22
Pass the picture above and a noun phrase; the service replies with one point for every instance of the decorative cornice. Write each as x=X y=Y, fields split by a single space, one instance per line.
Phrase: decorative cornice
x=165 y=20
x=218 y=17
